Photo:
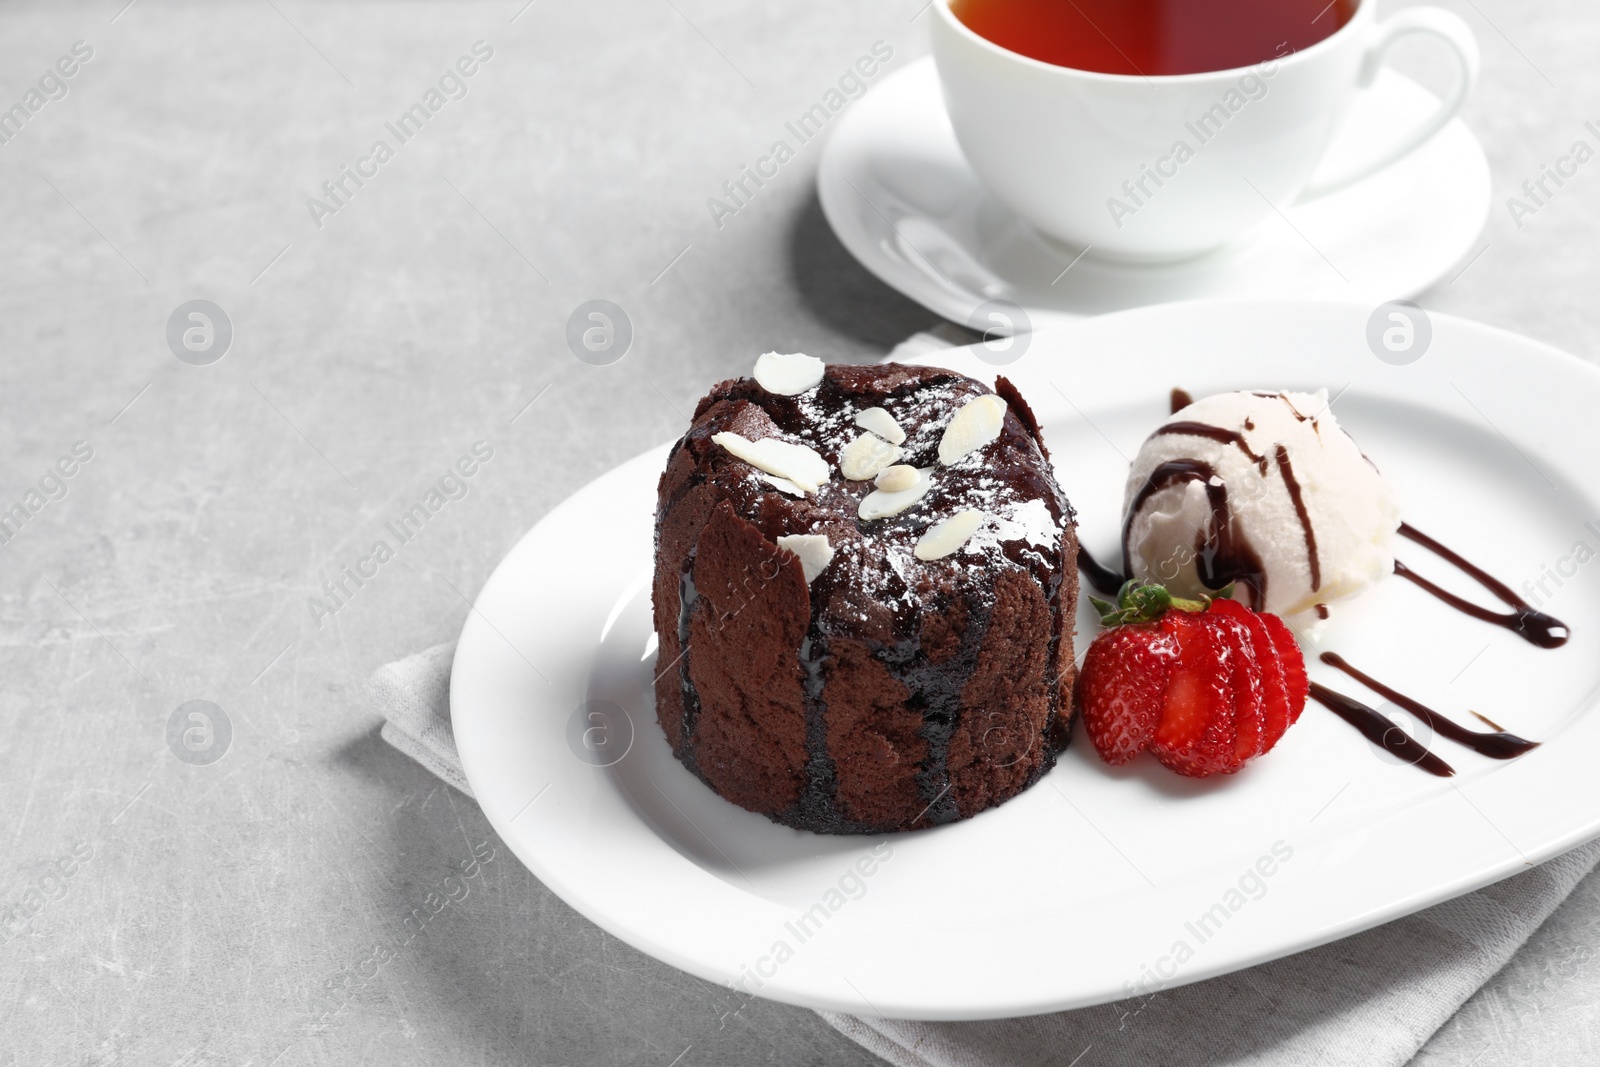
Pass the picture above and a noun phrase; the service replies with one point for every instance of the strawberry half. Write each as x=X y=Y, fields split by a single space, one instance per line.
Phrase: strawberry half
x=1204 y=685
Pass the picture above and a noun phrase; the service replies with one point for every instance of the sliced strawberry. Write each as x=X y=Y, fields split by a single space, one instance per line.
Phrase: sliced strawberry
x=1206 y=685
x=1122 y=687
x=1294 y=665
x=1196 y=735
x=1249 y=677
x=1248 y=715
x=1274 y=691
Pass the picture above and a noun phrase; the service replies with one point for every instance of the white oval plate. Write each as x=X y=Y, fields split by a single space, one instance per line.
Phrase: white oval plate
x=900 y=196
x=1094 y=878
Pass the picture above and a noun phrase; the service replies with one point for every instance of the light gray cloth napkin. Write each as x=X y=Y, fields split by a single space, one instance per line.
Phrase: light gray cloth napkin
x=1367 y=1001
x=414 y=696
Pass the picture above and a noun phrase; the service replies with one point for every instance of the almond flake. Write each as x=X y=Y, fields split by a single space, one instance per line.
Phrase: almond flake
x=880 y=505
x=788 y=374
x=894 y=479
x=881 y=423
x=781 y=484
x=813 y=549
x=975 y=425
x=782 y=459
x=948 y=536
x=863 y=458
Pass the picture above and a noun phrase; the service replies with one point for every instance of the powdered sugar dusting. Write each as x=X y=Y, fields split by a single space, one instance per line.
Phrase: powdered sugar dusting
x=876 y=575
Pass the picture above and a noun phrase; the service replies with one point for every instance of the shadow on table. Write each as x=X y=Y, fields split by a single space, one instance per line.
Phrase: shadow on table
x=843 y=293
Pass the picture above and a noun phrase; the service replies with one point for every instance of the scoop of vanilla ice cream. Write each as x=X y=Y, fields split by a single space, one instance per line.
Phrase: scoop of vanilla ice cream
x=1263 y=490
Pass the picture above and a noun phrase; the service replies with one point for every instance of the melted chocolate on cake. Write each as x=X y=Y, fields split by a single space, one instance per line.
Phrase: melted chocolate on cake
x=891 y=693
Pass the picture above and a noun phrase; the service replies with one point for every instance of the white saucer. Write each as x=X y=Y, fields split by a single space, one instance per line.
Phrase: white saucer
x=1067 y=894
x=901 y=197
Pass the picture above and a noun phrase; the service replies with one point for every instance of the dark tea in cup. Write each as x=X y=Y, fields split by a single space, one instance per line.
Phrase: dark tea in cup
x=1151 y=37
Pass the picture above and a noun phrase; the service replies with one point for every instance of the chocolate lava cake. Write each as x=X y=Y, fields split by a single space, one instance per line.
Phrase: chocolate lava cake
x=865 y=581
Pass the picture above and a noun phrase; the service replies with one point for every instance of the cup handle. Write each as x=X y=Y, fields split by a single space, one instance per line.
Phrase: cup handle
x=1427 y=21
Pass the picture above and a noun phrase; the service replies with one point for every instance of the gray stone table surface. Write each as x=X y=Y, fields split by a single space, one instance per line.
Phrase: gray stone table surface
x=260 y=909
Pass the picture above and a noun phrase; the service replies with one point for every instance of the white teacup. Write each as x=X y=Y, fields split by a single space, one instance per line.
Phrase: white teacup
x=1095 y=159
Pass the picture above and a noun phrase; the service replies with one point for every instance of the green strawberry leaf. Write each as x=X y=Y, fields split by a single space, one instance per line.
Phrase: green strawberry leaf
x=1140 y=603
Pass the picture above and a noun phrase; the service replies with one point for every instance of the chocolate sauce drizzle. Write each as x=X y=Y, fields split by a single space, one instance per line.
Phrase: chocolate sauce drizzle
x=1296 y=412
x=1106 y=581
x=1497 y=745
x=1526 y=622
x=688 y=595
x=1380 y=730
x=1286 y=468
x=822 y=778
x=1223 y=556
x=1220 y=434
